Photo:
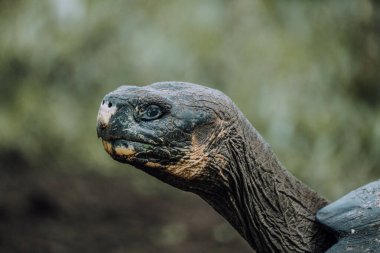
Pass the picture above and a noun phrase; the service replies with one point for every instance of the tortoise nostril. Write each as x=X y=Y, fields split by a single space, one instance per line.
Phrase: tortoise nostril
x=103 y=102
x=109 y=104
x=102 y=125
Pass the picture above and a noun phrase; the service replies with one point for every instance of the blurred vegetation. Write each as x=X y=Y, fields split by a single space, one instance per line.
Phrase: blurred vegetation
x=306 y=74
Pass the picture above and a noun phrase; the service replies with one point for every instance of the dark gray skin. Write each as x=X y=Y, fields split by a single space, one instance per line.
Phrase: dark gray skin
x=196 y=139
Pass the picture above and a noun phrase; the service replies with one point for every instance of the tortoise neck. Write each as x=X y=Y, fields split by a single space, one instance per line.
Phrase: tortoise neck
x=269 y=207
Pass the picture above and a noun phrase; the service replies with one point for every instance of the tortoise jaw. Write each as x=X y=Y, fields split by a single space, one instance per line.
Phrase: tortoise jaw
x=134 y=153
x=118 y=148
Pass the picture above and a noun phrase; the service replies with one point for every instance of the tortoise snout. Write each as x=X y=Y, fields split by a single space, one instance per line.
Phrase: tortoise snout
x=107 y=109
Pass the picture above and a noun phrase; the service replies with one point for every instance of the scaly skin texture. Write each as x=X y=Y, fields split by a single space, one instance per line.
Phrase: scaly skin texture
x=200 y=142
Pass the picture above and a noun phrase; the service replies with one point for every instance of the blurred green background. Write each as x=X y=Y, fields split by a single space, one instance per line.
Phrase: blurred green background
x=305 y=73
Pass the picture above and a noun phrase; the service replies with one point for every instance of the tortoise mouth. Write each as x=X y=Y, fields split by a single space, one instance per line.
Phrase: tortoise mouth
x=119 y=147
x=134 y=152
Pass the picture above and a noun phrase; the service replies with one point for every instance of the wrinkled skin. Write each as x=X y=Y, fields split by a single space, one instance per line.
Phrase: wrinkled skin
x=196 y=139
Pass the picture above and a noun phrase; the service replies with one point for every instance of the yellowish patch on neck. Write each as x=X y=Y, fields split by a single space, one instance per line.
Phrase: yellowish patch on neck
x=192 y=163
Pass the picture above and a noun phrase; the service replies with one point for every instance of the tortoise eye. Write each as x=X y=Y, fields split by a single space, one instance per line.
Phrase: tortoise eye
x=151 y=112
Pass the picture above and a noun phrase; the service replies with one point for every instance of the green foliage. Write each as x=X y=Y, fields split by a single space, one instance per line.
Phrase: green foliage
x=304 y=72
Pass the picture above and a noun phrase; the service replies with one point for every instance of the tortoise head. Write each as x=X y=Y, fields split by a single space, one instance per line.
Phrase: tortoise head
x=169 y=129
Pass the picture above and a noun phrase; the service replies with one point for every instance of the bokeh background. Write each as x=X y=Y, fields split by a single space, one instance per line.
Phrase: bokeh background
x=305 y=73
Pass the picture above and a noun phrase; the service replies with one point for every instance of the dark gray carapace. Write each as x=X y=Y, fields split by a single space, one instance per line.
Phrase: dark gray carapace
x=355 y=219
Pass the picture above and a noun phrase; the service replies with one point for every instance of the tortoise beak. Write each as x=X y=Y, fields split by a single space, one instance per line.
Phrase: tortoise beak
x=106 y=111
